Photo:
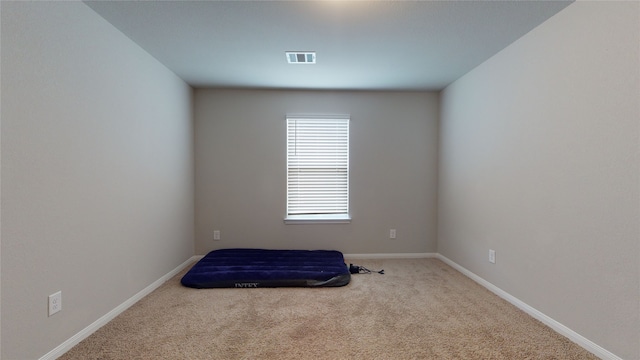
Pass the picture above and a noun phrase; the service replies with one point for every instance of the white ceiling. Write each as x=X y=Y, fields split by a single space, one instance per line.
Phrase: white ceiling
x=360 y=45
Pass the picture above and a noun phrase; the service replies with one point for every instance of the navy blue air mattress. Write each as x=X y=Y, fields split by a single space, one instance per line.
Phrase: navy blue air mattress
x=252 y=268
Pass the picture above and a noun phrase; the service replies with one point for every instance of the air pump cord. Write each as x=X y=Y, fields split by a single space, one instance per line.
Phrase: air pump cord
x=355 y=269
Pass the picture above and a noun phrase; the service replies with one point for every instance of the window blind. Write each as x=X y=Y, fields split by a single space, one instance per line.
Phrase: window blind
x=317 y=166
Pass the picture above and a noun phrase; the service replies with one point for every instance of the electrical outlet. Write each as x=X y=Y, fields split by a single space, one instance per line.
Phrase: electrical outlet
x=492 y=256
x=216 y=234
x=392 y=234
x=55 y=303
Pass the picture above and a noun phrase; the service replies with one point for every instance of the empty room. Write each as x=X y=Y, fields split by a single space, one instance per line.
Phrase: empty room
x=484 y=178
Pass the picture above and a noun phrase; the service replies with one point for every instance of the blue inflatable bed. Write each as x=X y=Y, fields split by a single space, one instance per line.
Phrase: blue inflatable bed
x=253 y=268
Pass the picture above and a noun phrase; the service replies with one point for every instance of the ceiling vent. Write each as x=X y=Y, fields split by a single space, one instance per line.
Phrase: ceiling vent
x=301 y=57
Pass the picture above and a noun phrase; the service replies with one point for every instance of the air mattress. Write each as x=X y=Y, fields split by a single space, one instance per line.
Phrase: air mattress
x=252 y=268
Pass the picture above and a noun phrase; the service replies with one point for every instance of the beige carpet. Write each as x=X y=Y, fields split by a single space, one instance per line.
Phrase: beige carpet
x=420 y=309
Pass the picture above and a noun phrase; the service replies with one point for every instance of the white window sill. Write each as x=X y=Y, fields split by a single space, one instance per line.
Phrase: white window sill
x=318 y=219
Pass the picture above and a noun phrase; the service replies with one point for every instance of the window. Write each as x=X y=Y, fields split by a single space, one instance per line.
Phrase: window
x=317 y=169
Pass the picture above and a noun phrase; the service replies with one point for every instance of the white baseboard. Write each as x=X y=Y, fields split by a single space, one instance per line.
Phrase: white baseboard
x=391 y=256
x=556 y=326
x=84 y=333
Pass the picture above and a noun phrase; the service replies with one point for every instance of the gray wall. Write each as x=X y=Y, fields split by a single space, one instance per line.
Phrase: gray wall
x=241 y=170
x=539 y=161
x=97 y=172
